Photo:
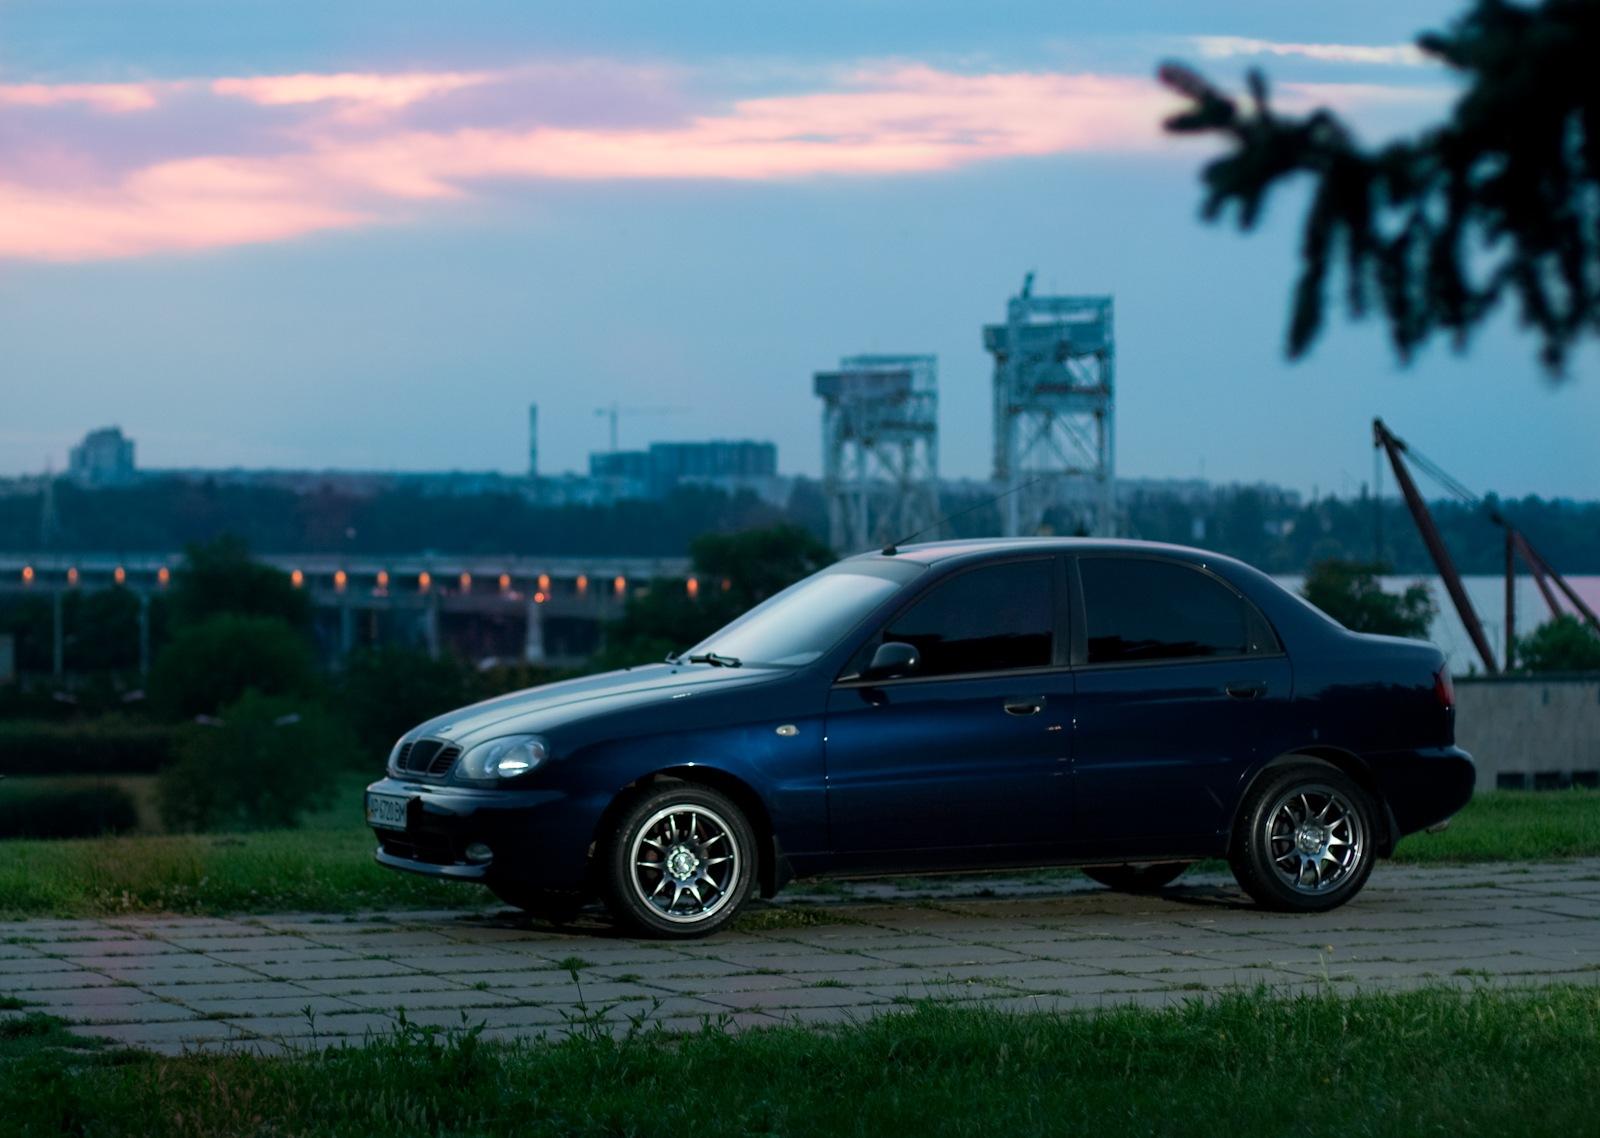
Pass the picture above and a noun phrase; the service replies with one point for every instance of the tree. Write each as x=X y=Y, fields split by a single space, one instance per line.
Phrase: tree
x=1562 y=644
x=1498 y=201
x=1351 y=593
x=384 y=692
x=218 y=576
x=755 y=564
x=263 y=763
x=215 y=662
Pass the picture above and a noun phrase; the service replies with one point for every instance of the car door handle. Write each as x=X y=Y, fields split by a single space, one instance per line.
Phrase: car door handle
x=1242 y=689
x=1025 y=705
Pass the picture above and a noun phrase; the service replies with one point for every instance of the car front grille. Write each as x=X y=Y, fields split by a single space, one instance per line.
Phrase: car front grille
x=430 y=849
x=432 y=757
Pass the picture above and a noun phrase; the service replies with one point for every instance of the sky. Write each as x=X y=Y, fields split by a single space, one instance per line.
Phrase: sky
x=367 y=235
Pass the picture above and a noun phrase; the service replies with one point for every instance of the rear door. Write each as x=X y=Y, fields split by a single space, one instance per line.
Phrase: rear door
x=966 y=759
x=1181 y=684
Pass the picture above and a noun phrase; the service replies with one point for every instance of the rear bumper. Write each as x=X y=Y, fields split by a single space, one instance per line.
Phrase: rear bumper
x=534 y=835
x=1424 y=787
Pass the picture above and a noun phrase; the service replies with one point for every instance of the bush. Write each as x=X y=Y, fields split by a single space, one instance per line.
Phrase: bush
x=1562 y=644
x=262 y=765
x=1351 y=593
x=216 y=661
x=107 y=745
x=384 y=692
x=64 y=812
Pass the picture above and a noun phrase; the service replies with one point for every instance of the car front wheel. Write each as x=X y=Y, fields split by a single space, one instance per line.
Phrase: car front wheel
x=1304 y=840
x=680 y=862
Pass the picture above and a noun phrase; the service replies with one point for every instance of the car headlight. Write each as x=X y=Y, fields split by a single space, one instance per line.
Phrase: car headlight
x=503 y=758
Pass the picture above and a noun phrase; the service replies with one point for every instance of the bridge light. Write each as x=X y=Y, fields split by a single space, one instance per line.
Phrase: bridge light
x=539 y=598
x=583 y=584
x=727 y=583
x=465 y=580
x=163 y=576
x=619 y=585
x=297 y=579
x=119 y=575
x=383 y=579
x=27 y=574
x=692 y=587
x=72 y=576
x=424 y=581
x=340 y=580
x=505 y=582
x=544 y=582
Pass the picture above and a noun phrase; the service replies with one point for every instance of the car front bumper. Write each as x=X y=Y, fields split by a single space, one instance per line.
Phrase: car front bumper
x=535 y=836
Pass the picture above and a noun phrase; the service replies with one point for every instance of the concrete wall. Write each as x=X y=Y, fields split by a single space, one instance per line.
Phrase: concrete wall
x=1531 y=731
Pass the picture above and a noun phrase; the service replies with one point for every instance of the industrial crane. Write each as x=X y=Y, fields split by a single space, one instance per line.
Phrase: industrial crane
x=1517 y=545
x=613 y=411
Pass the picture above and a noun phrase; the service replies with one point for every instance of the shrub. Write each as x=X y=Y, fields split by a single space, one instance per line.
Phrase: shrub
x=216 y=661
x=64 y=812
x=1351 y=593
x=384 y=692
x=1562 y=644
x=262 y=764
x=107 y=745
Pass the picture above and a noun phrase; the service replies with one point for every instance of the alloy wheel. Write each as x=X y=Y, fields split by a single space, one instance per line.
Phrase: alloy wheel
x=685 y=863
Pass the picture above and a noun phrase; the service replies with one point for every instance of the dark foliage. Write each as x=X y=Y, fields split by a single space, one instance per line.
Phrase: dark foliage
x=1501 y=201
x=219 y=576
x=1562 y=644
x=108 y=744
x=215 y=662
x=1350 y=592
x=263 y=764
x=64 y=812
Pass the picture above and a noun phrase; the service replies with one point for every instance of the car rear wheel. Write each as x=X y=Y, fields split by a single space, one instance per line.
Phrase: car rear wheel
x=680 y=863
x=1305 y=839
x=1144 y=878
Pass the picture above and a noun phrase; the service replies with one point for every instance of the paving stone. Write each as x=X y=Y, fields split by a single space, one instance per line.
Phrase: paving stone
x=276 y=1005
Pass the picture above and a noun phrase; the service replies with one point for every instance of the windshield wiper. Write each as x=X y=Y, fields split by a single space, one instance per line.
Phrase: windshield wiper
x=715 y=658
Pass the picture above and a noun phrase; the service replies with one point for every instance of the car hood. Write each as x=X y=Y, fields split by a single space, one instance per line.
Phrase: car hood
x=550 y=706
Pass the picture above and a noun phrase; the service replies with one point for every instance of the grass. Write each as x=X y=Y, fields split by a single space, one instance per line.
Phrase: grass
x=1429 y=1062
x=327 y=865
x=1513 y=825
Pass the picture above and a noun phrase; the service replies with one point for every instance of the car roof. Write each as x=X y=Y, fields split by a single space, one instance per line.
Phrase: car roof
x=973 y=549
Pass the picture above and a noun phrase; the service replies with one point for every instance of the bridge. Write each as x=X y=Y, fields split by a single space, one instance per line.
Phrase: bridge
x=485 y=607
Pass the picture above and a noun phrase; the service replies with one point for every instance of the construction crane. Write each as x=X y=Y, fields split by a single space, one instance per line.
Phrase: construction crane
x=1517 y=545
x=613 y=411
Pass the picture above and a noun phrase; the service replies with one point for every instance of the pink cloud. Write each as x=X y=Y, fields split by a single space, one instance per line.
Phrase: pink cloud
x=346 y=156
x=115 y=98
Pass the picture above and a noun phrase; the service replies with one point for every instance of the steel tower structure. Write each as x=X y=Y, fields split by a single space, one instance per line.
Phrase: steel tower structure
x=880 y=449
x=1054 y=402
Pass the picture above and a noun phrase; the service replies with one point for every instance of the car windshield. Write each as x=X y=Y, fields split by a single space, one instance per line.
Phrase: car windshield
x=796 y=626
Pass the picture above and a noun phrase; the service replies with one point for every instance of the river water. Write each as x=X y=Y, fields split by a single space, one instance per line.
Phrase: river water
x=1488 y=596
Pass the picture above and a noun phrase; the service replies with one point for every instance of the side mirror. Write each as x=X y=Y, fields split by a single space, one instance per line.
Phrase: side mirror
x=892 y=659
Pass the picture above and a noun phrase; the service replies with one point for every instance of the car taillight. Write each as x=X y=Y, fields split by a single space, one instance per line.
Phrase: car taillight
x=1444 y=689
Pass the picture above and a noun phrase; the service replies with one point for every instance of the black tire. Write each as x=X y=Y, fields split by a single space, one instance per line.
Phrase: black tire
x=1149 y=877
x=1271 y=842
x=556 y=908
x=664 y=870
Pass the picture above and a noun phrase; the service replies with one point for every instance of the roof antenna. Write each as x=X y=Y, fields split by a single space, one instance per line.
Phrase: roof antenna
x=894 y=546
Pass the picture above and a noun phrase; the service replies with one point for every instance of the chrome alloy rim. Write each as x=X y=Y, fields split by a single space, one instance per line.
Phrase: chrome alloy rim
x=686 y=863
x=1315 y=839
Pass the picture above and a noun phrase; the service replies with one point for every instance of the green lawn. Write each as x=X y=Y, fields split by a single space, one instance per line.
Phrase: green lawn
x=1431 y=1062
x=327 y=865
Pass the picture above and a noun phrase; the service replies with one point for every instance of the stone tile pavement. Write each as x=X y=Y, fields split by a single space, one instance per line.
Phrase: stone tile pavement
x=839 y=952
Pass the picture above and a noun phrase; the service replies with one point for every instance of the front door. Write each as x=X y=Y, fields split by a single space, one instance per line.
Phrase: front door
x=1181 y=688
x=970 y=752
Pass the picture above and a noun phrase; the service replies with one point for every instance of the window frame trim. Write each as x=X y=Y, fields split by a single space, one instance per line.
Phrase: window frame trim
x=1060 y=611
x=1080 y=615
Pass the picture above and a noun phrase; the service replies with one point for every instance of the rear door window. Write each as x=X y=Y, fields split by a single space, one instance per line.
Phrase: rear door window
x=1145 y=609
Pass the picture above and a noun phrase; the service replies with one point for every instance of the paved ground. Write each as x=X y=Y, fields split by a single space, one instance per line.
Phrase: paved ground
x=294 y=980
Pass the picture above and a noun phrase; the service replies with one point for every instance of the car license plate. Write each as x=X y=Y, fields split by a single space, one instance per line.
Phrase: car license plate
x=387 y=810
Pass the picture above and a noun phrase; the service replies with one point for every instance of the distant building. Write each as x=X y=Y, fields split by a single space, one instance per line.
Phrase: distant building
x=730 y=465
x=103 y=458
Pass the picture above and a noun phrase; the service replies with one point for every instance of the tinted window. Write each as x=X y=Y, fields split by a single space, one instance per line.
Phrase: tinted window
x=1142 y=609
x=991 y=619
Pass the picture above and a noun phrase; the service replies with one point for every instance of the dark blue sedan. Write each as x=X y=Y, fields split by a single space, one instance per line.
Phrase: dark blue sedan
x=1122 y=706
